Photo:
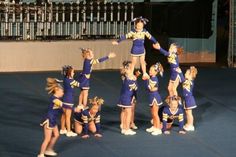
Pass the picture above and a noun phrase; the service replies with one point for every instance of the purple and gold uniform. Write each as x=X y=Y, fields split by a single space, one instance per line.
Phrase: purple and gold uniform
x=189 y=101
x=128 y=93
x=54 y=109
x=168 y=115
x=68 y=98
x=84 y=118
x=84 y=76
x=154 y=96
x=138 y=41
x=173 y=60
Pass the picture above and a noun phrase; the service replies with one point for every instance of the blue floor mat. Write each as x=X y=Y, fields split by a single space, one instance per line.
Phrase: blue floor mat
x=24 y=101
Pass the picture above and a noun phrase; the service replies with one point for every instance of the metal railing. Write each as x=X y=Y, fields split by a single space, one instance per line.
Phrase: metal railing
x=59 y=20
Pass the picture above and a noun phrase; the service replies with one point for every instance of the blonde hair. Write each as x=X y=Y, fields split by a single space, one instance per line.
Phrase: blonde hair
x=169 y=99
x=52 y=85
x=158 y=68
x=180 y=50
x=193 y=71
x=125 y=66
x=96 y=101
x=85 y=51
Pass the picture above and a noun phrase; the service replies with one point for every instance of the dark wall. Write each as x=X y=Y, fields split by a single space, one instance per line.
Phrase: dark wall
x=179 y=19
x=222 y=32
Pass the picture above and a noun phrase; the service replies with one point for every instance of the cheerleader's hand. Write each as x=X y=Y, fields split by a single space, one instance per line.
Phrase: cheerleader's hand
x=145 y=76
x=115 y=43
x=137 y=73
x=182 y=132
x=178 y=70
x=79 y=108
x=112 y=55
x=167 y=132
x=156 y=46
x=85 y=136
x=98 y=135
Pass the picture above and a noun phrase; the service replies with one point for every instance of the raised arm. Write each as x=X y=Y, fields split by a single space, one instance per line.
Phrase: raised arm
x=164 y=52
x=123 y=37
x=150 y=37
x=96 y=61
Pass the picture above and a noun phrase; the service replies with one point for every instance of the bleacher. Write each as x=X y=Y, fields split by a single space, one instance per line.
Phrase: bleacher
x=67 y=19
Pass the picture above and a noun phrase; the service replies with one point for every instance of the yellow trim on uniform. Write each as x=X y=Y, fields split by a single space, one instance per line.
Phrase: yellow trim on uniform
x=129 y=35
x=94 y=61
x=57 y=104
x=181 y=117
x=172 y=59
x=87 y=76
x=97 y=120
x=84 y=118
x=74 y=83
x=133 y=86
x=148 y=35
x=152 y=84
x=187 y=85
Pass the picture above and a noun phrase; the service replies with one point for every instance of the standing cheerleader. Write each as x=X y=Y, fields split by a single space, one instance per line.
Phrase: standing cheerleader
x=171 y=112
x=68 y=100
x=176 y=73
x=189 y=101
x=49 y=123
x=84 y=77
x=132 y=124
x=138 y=35
x=154 y=97
x=127 y=98
x=89 y=119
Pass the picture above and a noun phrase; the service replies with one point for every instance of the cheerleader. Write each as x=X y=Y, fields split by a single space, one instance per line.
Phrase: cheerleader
x=138 y=35
x=49 y=123
x=68 y=100
x=137 y=73
x=127 y=98
x=154 y=97
x=176 y=73
x=189 y=101
x=171 y=112
x=132 y=123
x=89 y=119
x=84 y=76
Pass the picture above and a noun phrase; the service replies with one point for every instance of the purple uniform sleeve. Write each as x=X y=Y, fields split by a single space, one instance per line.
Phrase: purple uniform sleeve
x=153 y=39
x=85 y=123
x=122 y=37
x=164 y=120
x=98 y=128
x=181 y=119
x=97 y=123
x=164 y=52
x=103 y=59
